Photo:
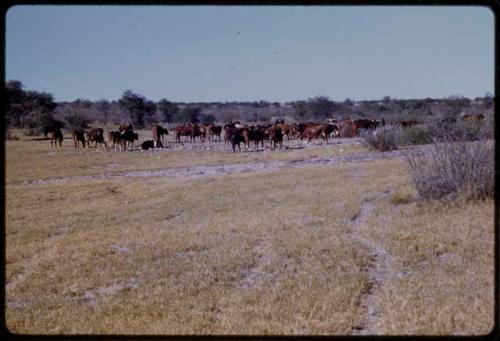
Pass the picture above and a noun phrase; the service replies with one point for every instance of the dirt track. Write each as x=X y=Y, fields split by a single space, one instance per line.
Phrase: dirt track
x=214 y=170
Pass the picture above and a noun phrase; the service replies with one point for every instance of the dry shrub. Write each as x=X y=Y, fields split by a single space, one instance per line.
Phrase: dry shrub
x=9 y=136
x=399 y=198
x=32 y=132
x=451 y=169
x=459 y=131
x=382 y=139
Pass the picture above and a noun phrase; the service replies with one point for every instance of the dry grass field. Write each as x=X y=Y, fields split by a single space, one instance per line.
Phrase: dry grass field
x=343 y=248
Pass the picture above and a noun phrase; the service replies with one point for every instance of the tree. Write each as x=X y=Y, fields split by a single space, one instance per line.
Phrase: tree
x=78 y=122
x=43 y=102
x=82 y=103
x=349 y=102
x=137 y=106
x=40 y=120
x=208 y=118
x=16 y=106
x=190 y=114
x=321 y=107
x=302 y=111
x=25 y=107
x=168 y=109
x=104 y=107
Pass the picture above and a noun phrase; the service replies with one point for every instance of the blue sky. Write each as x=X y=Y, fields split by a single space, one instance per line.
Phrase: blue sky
x=218 y=53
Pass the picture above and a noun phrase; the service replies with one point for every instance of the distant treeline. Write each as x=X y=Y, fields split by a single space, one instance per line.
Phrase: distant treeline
x=32 y=109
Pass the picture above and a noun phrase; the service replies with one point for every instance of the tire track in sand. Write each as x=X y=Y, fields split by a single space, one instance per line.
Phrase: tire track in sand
x=215 y=170
x=379 y=271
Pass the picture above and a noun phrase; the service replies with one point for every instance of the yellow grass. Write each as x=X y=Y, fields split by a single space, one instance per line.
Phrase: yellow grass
x=253 y=253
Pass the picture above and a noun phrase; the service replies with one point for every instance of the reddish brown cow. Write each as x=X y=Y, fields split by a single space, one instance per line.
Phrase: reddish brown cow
x=287 y=129
x=312 y=131
x=183 y=130
x=125 y=127
x=473 y=117
x=347 y=128
x=213 y=131
x=406 y=124
x=198 y=131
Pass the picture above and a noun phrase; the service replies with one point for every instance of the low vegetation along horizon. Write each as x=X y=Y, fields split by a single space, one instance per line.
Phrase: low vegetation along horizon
x=314 y=238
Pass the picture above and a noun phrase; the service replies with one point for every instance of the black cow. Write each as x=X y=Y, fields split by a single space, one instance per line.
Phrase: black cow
x=128 y=137
x=79 y=137
x=96 y=135
x=150 y=144
x=56 y=134
x=235 y=137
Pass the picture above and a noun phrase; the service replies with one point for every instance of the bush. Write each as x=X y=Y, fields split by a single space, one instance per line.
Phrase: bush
x=9 y=136
x=452 y=169
x=414 y=135
x=382 y=138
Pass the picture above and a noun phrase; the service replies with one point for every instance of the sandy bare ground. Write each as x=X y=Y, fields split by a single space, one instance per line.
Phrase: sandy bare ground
x=215 y=170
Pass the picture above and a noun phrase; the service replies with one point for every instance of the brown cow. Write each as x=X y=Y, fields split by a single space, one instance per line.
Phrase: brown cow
x=79 y=136
x=96 y=135
x=158 y=132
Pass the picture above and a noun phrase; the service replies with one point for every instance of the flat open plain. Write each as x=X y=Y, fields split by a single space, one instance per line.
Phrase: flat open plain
x=193 y=239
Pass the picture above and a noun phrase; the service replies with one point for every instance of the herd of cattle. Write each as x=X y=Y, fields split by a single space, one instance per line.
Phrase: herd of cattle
x=235 y=133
